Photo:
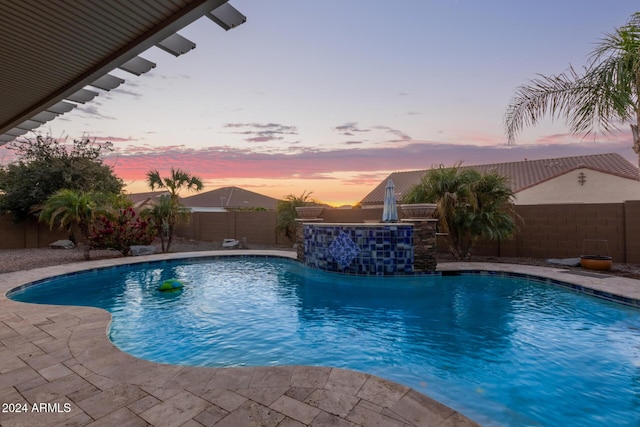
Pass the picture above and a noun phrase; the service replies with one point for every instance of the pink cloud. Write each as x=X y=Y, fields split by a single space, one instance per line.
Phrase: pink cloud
x=6 y=155
x=113 y=139
x=231 y=162
x=620 y=135
x=365 y=179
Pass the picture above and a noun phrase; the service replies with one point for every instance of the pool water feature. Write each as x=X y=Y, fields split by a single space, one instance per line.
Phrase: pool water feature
x=501 y=350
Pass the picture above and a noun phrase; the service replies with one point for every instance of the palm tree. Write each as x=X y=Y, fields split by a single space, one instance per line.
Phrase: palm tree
x=164 y=215
x=170 y=211
x=606 y=93
x=470 y=206
x=178 y=181
x=72 y=208
x=286 y=212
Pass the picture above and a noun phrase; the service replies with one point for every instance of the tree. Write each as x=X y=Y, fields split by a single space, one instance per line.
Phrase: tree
x=179 y=180
x=170 y=211
x=286 y=212
x=470 y=206
x=607 y=92
x=46 y=165
x=164 y=215
x=71 y=208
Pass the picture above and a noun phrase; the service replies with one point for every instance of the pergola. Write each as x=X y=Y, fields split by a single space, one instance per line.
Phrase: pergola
x=55 y=54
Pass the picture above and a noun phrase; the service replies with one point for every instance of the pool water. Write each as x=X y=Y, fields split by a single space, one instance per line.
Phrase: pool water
x=501 y=350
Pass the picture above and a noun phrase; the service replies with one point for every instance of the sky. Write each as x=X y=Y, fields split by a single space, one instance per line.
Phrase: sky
x=331 y=97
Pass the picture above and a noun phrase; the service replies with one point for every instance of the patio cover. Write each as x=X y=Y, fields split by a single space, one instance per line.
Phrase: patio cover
x=54 y=54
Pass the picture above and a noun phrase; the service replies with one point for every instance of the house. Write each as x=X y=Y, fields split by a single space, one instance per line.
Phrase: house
x=145 y=200
x=227 y=198
x=600 y=178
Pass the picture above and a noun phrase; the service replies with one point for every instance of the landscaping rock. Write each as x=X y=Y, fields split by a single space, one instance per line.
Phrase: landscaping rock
x=571 y=262
x=62 y=244
x=138 y=250
x=230 y=243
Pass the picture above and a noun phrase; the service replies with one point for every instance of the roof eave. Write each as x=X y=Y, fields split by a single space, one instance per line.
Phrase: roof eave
x=145 y=41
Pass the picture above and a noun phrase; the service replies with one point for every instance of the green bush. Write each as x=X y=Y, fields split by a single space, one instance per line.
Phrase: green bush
x=126 y=229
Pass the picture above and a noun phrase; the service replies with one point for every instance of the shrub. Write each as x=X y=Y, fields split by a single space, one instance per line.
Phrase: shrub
x=470 y=206
x=126 y=229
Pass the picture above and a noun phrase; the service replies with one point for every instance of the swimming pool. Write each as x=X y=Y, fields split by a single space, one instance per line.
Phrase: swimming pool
x=498 y=349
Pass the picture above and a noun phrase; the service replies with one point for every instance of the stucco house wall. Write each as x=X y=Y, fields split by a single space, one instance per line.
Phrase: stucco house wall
x=596 y=187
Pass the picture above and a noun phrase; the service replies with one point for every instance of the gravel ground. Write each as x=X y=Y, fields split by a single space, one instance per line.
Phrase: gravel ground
x=24 y=259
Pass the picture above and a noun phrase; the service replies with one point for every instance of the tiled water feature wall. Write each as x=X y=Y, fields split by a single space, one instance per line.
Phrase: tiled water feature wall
x=368 y=249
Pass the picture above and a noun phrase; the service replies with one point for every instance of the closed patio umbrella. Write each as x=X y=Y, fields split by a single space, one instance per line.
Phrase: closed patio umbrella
x=390 y=212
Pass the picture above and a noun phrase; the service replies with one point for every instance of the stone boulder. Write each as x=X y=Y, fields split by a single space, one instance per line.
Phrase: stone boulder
x=138 y=250
x=570 y=262
x=62 y=244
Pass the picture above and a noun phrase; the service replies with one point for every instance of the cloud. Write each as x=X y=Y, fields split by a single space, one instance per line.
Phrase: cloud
x=122 y=90
x=265 y=138
x=112 y=139
x=349 y=129
x=400 y=136
x=91 y=110
x=262 y=132
x=7 y=155
x=156 y=73
x=564 y=138
x=352 y=128
x=368 y=179
x=226 y=162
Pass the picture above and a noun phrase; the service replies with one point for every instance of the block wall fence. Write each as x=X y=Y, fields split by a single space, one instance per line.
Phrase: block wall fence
x=27 y=234
x=544 y=231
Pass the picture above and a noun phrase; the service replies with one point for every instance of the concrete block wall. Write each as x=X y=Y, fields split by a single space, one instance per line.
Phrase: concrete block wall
x=546 y=231
x=351 y=215
x=254 y=227
x=566 y=231
x=632 y=231
x=27 y=234
x=257 y=227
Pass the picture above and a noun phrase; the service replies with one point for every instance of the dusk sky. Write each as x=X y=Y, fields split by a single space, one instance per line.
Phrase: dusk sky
x=332 y=96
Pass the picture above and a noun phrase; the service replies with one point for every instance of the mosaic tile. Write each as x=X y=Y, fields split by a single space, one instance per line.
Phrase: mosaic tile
x=343 y=249
x=384 y=250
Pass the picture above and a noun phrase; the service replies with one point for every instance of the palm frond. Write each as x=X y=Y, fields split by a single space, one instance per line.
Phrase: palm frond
x=154 y=180
x=596 y=100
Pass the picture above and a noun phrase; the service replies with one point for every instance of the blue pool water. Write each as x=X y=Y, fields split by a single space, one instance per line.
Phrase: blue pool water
x=501 y=350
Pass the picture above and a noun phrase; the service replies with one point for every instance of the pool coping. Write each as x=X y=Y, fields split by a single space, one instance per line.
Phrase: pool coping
x=622 y=290
x=60 y=359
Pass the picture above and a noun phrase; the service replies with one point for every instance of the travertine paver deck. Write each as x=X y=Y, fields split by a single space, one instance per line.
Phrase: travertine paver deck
x=57 y=367
x=598 y=281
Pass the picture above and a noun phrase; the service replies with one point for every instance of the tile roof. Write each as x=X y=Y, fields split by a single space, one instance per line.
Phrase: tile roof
x=231 y=198
x=522 y=175
x=143 y=197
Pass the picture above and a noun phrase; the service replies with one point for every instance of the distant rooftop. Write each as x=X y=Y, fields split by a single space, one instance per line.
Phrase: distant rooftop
x=140 y=197
x=230 y=198
x=522 y=175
